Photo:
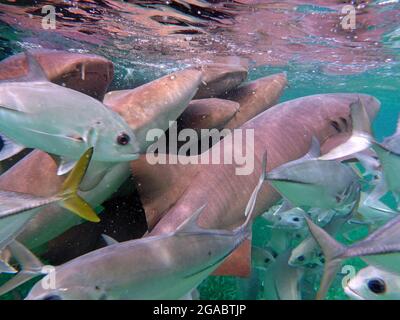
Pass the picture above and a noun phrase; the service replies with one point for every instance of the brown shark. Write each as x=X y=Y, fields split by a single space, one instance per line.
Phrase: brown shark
x=220 y=78
x=209 y=113
x=254 y=96
x=284 y=130
x=264 y=94
x=87 y=73
x=154 y=104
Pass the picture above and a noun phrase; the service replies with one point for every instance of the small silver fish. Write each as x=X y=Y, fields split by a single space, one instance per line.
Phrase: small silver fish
x=36 y=113
x=282 y=282
x=372 y=283
x=312 y=183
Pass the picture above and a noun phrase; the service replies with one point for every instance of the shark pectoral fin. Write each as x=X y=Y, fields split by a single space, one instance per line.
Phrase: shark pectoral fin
x=65 y=166
x=69 y=198
x=361 y=137
x=109 y=240
x=31 y=266
x=160 y=186
x=9 y=148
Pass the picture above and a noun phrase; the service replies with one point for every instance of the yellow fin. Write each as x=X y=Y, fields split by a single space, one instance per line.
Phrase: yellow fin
x=70 y=199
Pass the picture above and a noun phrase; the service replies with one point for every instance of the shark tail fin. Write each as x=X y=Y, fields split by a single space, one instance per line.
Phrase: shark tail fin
x=31 y=267
x=333 y=252
x=361 y=137
x=68 y=195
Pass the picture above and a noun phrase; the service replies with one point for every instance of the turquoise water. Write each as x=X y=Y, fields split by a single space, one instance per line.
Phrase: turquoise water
x=380 y=78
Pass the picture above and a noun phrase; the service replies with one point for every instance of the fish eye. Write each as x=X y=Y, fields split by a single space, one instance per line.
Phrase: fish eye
x=300 y=258
x=123 y=139
x=377 y=286
x=52 y=297
x=296 y=219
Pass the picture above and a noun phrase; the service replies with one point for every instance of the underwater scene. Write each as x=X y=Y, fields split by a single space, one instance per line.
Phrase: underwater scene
x=199 y=150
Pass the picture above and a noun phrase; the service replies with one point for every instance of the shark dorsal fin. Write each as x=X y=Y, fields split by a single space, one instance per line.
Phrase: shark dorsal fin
x=190 y=224
x=35 y=70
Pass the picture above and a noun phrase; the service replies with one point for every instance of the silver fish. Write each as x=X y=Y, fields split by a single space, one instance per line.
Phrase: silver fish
x=312 y=183
x=36 y=113
x=282 y=282
x=285 y=217
x=372 y=283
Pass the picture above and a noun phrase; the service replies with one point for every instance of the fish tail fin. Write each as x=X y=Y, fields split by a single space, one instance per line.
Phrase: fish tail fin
x=333 y=252
x=68 y=195
x=361 y=137
x=31 y=267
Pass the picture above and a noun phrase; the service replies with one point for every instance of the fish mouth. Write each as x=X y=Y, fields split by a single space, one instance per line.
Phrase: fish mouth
x=130 y=157
x=352 y=294
x=277 y=179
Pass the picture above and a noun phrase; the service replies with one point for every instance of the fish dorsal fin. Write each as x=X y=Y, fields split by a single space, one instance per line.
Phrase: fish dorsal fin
x=109 y=240
x=190 y=224
x=35 y=70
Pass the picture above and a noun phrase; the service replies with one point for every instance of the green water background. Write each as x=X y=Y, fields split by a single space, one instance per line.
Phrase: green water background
x=383 y=82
